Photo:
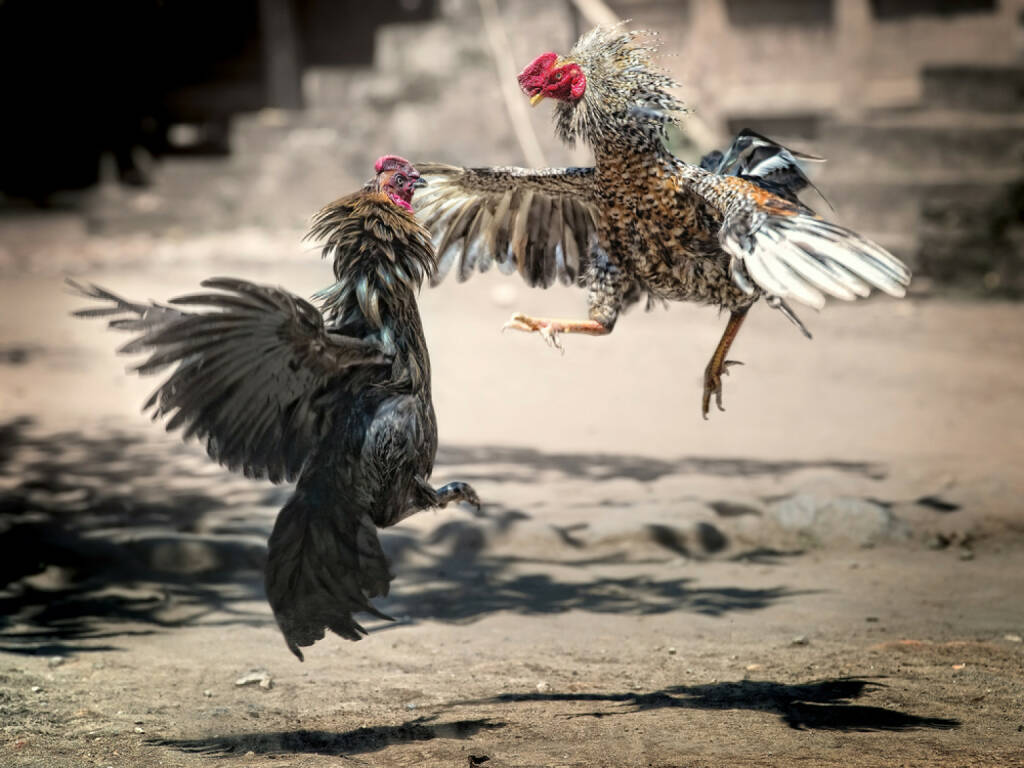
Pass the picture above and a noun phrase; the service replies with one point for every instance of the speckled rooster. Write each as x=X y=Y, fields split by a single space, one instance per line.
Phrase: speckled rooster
x=642 y=222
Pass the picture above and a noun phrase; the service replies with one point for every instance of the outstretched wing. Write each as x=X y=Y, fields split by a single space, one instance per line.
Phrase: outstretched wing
x=788 y=252
x=540 y=223
x=250 y=370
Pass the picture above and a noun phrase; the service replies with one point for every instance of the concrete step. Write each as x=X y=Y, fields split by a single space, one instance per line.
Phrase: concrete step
x=974 y=88
x=926 y=143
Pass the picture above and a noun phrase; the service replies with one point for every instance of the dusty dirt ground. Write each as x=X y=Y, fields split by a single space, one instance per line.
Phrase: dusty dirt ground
x=829 y=573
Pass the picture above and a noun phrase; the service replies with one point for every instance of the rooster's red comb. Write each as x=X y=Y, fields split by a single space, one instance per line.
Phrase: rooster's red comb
x=390 y=163
x=535 y=73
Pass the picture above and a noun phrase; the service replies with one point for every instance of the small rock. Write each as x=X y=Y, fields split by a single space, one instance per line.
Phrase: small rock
x=871 y=619
x=55 y=661
x=753 y=667
x=543 y=687
x=671 y=651
x=139 y=730
x=37 y=688
x=1013 y=638
x=410 y=705
x=260 y=676
x=208 y=693
x=966 y=554
x=840 y=518
x=938 y=541
x=958 y=667
x=799 y=640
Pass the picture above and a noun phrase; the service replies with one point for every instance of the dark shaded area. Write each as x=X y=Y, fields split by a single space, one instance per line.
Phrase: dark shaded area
x=354 y=742
x=733 y=509
x=891 y=10
x=514 y=463
x=970 y=234
x=84 y=79
x=819 y=705
x=757 y=13
x=708 y=539
x=462 y=590
x=765 y=555
x=18 y=354
x=116 y=534
x=85 y=550
x=938 y=504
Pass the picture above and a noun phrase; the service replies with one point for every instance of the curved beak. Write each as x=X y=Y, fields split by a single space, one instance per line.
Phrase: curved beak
x=537 y=98
x=419 y=183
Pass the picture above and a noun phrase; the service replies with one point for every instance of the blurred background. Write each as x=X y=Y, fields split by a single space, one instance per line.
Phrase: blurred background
x=148 y=144
x=177 y=117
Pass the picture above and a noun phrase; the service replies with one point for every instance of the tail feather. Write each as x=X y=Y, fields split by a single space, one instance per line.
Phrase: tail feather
x=323 y=565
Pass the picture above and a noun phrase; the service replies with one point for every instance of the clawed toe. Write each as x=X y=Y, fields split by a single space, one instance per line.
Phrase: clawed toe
x=519 y=322
x=458 y=492
x=713 y=385
x=548 y=330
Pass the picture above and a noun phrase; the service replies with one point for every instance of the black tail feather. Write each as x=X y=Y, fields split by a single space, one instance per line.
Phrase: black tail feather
x=323 y=565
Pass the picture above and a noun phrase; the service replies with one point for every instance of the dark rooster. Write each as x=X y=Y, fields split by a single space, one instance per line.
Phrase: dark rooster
x=642 y=222
x=339 y=400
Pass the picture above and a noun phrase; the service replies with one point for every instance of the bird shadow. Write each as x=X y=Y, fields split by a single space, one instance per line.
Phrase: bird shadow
x=818 y=705
x=357 y=741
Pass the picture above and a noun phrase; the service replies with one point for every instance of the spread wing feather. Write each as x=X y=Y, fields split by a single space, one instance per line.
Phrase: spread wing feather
x=790 y=253
x=250 y=369
x=539 y=223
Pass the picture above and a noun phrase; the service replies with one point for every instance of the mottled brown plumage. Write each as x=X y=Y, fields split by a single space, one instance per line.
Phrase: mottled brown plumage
x=337 y=399
x=641 y=222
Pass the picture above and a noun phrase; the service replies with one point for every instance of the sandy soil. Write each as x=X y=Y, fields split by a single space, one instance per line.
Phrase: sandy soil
x=829 y=573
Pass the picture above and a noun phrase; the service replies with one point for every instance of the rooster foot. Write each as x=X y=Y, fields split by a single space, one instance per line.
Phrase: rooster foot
x=713 y=383
x=457 y=491
x=548 y=329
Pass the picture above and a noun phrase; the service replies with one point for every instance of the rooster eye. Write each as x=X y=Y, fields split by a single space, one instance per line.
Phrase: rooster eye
x=558 y=76
x=399 y=179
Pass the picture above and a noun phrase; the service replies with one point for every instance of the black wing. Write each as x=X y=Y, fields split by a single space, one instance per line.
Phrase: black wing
x=250 y=370
x=540 y=223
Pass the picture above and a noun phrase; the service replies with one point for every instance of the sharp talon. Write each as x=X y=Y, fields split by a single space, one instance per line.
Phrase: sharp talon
x=550 y=335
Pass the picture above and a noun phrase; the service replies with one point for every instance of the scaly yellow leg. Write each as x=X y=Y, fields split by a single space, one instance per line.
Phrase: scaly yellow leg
x=719 y=366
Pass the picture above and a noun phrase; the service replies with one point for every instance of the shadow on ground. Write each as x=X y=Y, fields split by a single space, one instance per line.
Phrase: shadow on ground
x=106 y=535
x=354 y=742
x=504 y=464
x=820 y=705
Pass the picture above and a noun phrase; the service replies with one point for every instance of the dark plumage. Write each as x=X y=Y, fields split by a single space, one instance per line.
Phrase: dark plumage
x=339 y=400
x=642 y=221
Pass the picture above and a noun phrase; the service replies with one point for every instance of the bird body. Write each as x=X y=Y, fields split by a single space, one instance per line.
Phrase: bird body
x=642 y=221
x=338 y=399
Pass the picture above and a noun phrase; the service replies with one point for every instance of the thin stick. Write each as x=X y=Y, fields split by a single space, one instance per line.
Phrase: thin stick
x=515 y=102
